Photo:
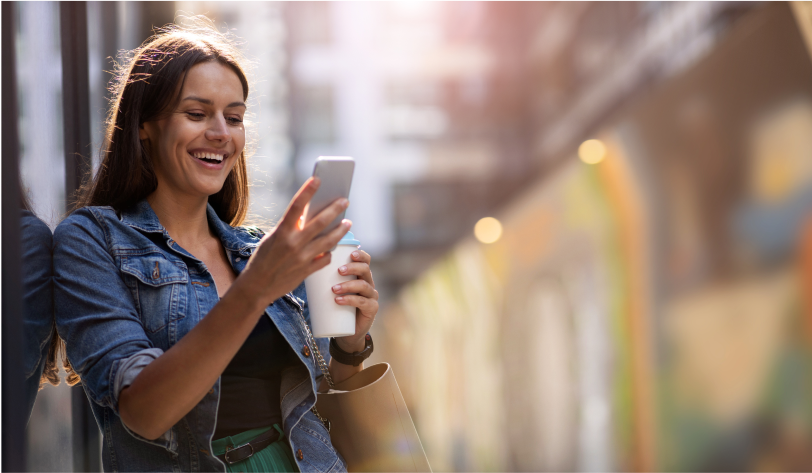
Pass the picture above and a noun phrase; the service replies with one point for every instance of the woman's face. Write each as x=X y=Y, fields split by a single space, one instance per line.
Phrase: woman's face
x=194 y=148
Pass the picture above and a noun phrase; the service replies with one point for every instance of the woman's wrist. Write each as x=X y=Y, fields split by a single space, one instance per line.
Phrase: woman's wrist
x=245 y=289
x=351 y=343
x=256 y=288
x=339 y=371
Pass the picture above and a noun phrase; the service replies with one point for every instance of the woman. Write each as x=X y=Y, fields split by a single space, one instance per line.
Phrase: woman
x=188 y=331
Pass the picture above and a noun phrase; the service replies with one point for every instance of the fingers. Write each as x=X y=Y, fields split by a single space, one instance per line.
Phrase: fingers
x=361 y=256
x=318 y=223
x=356 y=286
x=357 y=269
x=367 y=306
x=360 y=269
x=328 y=241
x=299 y=202
x=319 y=262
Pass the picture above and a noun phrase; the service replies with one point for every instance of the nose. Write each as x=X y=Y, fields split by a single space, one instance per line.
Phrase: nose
x=218 y=130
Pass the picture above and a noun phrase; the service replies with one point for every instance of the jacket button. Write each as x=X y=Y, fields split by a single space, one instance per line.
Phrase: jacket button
x=299 y=454
x=211 y=391
x=306 y=351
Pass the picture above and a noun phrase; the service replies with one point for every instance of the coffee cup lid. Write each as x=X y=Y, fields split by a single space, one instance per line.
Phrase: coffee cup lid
x=349 y=239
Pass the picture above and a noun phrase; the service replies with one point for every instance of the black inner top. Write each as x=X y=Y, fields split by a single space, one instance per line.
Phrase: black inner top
x=249 y=387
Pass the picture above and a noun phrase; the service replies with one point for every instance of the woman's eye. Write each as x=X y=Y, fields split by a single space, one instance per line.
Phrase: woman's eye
x=196 y=115
x=234 y=120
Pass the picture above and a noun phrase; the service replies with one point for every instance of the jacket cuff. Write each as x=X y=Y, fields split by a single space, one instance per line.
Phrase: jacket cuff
x=129 y=368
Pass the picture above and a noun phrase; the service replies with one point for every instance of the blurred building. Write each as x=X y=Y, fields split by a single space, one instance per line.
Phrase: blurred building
x=642 y=309
x=343 y=61
x=452 y=108
x=410 y=91
x=39 y=73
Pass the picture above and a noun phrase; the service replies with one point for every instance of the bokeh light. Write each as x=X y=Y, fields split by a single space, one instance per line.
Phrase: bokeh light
x=488 y=230
x=592 y=151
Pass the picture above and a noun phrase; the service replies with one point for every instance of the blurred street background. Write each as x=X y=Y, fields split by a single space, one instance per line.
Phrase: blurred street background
x=638 y=292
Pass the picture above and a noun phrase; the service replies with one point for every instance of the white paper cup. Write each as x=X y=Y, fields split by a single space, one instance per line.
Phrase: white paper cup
x=327 y=318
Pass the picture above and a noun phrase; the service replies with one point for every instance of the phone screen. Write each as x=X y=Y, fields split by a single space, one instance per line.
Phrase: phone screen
x=335 y=173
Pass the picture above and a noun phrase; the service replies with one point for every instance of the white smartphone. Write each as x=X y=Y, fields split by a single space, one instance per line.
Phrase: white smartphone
x=335 y=173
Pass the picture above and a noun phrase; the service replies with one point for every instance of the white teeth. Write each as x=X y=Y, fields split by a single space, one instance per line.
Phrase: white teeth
x=215 y=157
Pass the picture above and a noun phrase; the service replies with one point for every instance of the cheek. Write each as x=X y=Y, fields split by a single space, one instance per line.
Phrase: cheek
x=177 y=129
x=239 y=139
x=185 y=133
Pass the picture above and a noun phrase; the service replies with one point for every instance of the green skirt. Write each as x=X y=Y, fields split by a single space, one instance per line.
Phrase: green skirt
x=275 y=457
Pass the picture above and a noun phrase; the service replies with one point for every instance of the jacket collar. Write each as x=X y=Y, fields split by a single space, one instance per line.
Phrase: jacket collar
x=142 y=217
x=234 y=239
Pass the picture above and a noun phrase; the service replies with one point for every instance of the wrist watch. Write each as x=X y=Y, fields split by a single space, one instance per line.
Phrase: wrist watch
x=355 y=358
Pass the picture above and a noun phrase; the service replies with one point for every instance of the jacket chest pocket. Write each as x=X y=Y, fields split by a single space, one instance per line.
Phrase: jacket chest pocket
x=159 y=288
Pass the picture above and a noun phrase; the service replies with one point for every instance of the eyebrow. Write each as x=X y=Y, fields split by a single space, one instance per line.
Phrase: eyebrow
x=209 y=102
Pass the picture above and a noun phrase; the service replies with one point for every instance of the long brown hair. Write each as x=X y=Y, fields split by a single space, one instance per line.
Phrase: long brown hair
x=147 y=88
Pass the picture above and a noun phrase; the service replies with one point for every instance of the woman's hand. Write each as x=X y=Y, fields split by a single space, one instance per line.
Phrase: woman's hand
x=359 y=293
x=288 y=254
x=172 y=385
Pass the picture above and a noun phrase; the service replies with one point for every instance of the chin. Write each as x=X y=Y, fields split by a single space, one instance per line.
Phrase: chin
x=211 y=187
x=213 y=191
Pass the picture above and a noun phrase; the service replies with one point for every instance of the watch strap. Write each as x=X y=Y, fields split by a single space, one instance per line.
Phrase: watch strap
x=355 y=358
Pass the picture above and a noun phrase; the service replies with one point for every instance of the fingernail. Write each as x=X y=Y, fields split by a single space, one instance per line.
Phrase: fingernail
x=342 y=269
x=345 y=203
x=337 y=288
x=355 y=254
x=346 y=223
x=339 y=299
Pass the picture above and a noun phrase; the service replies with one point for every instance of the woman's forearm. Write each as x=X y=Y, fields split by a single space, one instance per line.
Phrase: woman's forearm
x=339 y=371
x=172 y=384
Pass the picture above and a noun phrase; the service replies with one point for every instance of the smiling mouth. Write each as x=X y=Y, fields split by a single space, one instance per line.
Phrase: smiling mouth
x=210 y=158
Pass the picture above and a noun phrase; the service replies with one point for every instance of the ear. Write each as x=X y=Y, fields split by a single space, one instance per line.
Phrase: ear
x=142 y=133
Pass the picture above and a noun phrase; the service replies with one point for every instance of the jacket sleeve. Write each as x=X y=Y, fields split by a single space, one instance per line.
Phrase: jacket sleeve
x=94 y=309
x=38 y=301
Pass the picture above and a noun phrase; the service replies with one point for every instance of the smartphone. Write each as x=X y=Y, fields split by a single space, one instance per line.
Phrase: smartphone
x=335 y=173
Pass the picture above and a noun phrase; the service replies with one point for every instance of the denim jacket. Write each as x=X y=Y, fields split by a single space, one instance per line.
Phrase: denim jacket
x=38 y=302
x=125 y=292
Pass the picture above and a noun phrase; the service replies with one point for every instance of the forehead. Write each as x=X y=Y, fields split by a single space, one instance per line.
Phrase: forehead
x=214 y=81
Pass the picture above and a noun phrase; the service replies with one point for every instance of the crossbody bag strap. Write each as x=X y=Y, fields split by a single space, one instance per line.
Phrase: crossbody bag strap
x=321 y=364
x=311 y=341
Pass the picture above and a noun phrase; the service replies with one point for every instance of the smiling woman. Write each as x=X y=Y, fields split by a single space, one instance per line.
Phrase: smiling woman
x=150 y=90
x=186 y=328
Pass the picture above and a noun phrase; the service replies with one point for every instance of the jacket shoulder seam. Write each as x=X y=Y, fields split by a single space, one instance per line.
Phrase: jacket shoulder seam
x=105 y=229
